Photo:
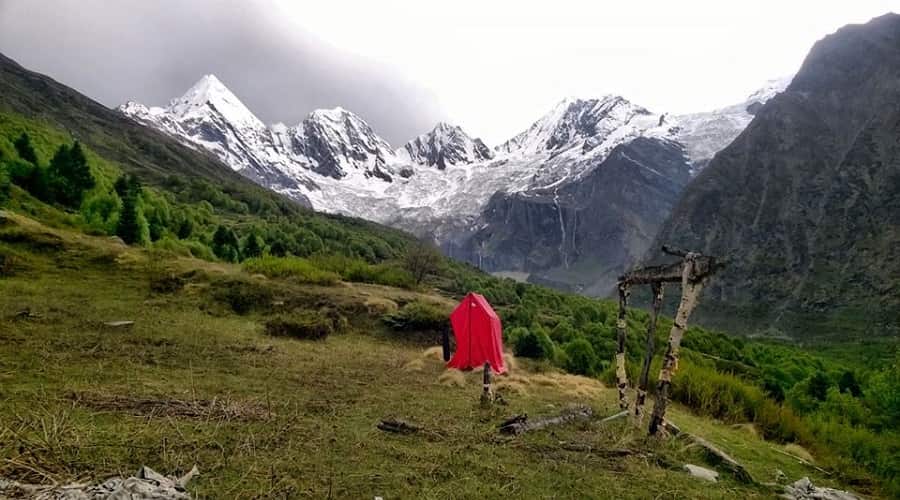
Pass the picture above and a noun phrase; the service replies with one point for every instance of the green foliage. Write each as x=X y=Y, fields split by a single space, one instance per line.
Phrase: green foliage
x=25 y=149
x=225 y=244
x=132 y=227
x=295 y=268
x=883 y=396
x=580 y=357
x=418 y=316
x=533 y=343
x=420 y=260
x=307 y=325
x=244 y=296
x=101 y=212
x=848 y=383
x=4 y=184
x=253 y=246
x=69 y=175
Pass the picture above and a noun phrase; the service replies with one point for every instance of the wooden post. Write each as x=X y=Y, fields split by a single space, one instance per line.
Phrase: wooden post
x=621 y=325
x=691 y=286
x=445 y=344
x=657 y=288
x=487 y=394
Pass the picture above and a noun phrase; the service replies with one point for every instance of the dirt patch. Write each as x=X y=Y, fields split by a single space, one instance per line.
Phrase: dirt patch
x=214 y=409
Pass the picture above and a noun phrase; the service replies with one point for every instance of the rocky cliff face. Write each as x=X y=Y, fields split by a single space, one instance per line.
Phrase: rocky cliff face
x=805 y=203
x=583 y=235
x=445 y=145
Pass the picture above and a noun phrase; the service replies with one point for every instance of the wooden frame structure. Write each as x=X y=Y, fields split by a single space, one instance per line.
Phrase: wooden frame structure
x=693 y=272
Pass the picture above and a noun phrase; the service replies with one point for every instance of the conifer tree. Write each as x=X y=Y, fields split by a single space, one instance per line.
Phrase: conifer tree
x=25 y=149
x=70 y=176
x=131 y=224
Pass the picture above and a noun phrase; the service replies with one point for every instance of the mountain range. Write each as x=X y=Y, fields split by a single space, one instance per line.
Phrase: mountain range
x=452 y=188
x=805 y=204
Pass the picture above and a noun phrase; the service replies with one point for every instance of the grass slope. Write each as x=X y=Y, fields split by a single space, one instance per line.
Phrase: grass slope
x=194 y=383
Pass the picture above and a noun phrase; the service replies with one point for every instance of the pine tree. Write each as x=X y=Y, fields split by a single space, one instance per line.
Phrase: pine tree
x=25 y=149
x=253 y=247
x=70 y=176
x=129 y=228
x=226 y=245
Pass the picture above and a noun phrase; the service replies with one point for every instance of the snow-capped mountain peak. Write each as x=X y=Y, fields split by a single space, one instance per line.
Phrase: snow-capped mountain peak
x=210 y=95
x=444 y=145
x=577 y=123
x=338 y=141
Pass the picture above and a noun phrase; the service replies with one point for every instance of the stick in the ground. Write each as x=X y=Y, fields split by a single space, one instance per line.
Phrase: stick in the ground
x=691 y=286
x=657 y=288
x=621 y=325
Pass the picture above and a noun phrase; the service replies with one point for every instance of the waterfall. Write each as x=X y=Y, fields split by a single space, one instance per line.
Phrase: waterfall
x=562 y=229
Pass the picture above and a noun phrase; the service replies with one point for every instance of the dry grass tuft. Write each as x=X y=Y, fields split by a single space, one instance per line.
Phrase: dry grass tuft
x=436 y=353
x=214 y=409
x=452 y=378
x=511 y=386
x=379 y=306
x=415 y=365
x=799 y=451
x=511 y=362
x=749 y=428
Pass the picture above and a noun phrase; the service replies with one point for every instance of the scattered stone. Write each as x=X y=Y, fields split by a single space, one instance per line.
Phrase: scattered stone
x=780 y=476
x=147 y=484
x=26 y=314
x=119 y=324
x=702 y=473
x=803 y=489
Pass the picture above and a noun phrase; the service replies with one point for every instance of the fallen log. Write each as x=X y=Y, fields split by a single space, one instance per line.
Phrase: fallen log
x=714 y=454
x=517 y=425
x=397 y=426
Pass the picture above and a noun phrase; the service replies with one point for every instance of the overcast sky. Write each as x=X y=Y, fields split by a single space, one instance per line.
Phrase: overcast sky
x=491 y=66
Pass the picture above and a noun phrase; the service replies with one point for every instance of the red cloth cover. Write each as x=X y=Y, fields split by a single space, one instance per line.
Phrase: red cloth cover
x=479 y=335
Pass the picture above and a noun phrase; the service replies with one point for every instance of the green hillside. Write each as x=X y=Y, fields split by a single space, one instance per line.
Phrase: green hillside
x=227 y=285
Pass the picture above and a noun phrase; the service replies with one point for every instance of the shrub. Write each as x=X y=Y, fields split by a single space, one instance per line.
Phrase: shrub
x=4 y=184
x=306 y=325
x=533 y=343
x=418 y=316
x=296 y=268
x=8 y=264
x=580 y=357
x=244 y=296
x=422 y=259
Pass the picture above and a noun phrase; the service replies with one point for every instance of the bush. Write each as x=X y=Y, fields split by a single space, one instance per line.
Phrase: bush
x=8 y=264
x=4 y=184
x=306 y=325
x=296 y=268
x=244 y=296
x=580 y=357
x=533 y=343
x=418 y=316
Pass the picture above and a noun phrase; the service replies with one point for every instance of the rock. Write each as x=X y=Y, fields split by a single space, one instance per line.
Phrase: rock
x=147 y=484
x=780 y=476
x=702 y=473
x=803 y=489
x=119 y=324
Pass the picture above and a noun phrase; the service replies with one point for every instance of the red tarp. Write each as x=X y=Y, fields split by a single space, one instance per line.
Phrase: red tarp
x=479 y=335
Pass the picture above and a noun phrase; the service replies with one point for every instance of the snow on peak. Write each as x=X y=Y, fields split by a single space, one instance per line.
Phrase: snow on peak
x=210 y=96
x=444 y=145
x=578 y=123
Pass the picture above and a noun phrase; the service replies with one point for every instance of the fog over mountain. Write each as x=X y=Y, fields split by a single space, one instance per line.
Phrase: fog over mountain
x=115 y=51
